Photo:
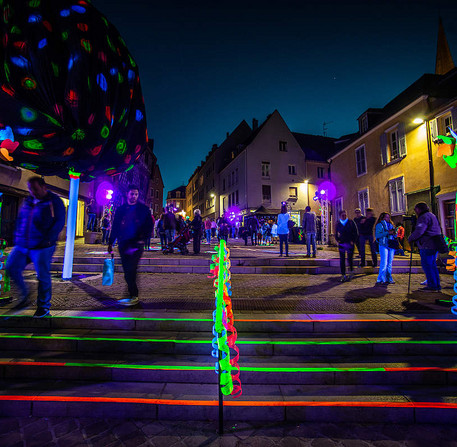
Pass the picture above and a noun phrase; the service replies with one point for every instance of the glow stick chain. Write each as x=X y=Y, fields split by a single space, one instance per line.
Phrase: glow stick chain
x=223 y=330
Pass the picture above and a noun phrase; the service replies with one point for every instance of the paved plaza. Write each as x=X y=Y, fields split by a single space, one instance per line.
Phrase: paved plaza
x=66 y=432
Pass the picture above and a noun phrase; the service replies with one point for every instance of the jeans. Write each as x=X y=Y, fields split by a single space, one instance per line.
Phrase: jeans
x=105 y=235
x=283 y=240
x=362 y=239
x=385 y=264
x=343 y=249
x=169 y=235
x=428 y=262
x=130 y=257
x=208 y=236
x=91 y=222
x=163 y=239
x=310 y=240
x=41 y=258
x=254 y=238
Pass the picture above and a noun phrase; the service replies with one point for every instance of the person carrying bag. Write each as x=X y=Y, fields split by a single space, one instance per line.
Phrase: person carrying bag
x=428 y=237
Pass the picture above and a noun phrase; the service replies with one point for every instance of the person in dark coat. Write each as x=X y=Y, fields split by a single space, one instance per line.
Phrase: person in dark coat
x=39 y=222
x=169 y=225
x=132 y=226
x=196 y=226
x=346 y=235
x=424 y=235
x=365 y=227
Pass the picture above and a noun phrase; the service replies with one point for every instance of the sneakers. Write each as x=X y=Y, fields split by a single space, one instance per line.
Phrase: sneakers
x=424 y=283
x=314 y=255
x=40 y=313
x=131 y=301
x=344 y=278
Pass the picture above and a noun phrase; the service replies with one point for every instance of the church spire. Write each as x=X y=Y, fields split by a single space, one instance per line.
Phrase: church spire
x=444 y=62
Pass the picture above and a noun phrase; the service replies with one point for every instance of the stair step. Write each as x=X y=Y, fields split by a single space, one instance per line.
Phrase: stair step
x=200 y=369
x=280 y=403
x=98 y=341
x=245 y=323
x=257 y=269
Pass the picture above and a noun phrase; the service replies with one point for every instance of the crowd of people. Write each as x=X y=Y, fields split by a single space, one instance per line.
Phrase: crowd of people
x=42 y=218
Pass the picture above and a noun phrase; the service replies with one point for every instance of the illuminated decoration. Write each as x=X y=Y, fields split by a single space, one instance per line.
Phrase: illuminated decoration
x=4 y=278
x=63 y=102
x=58 y=97
x=223 y=330
x=7 y=144
x=104 y=193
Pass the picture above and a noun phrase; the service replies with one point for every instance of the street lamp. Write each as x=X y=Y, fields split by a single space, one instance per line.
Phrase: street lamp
x=418 y=120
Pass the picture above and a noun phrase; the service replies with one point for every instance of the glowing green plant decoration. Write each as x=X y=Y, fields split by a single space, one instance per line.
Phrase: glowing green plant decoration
x=223 y=330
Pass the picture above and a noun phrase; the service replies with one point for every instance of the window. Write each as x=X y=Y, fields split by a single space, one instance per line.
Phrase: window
x=397 y=196
x=236 y=176
x=156 y=207
x=283 y=146
x=237 y=201
x=447 y=122
x=230 y=200
x=393 y=144
x=393 y=140
x=229 y=181
x=223 y=184
x=364 y=201
x=152 y=192
x=338 y=207
x=157 y=193
x=293 y=192
x=292 y=170
x=265 y=169
x=178 y=194
x=233 y=177
x=360 y=161
x=266 y=193
x=320 y=172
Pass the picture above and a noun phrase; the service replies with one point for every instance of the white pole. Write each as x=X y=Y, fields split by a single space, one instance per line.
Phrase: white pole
x=71 y=226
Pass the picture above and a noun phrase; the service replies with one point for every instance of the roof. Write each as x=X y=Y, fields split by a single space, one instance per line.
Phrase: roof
x=316 y=147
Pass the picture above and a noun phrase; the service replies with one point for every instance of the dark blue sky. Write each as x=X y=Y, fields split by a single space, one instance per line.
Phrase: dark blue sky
x=205 y=66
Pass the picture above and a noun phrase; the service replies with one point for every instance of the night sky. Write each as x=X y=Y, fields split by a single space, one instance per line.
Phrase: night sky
x=205 y=66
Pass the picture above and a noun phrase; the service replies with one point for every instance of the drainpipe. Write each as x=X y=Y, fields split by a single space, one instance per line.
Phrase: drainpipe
x=431 y=169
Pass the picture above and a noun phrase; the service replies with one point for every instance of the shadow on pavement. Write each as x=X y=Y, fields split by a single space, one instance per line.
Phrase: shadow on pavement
x=306 y=290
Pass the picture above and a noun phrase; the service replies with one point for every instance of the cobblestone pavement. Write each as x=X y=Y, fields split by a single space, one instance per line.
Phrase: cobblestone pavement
x=254 y=293
x=69 y=432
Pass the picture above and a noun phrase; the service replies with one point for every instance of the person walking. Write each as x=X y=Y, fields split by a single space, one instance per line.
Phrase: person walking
x=253 y=229
x=357 y=219
x=106 y=222
x=208 y=230
x=274 y=232
x=385 y=232
x=91 y=215
x=309 y=225
x=39 y=222
x=213 y=228
x=223 y=228
x=366 y=234
x=196 y=226
x=169 y=225
x=283 y=229
x=424 y=235
x=132 y=225
x=161 y=232
x=346 y=235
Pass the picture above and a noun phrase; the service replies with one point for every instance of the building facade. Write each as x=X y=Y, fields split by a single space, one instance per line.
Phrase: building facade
x=176 y=198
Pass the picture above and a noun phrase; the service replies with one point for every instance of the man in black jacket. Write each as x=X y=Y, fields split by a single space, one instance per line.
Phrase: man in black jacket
x=365 y=228
x=38 y=225
x=132 y=226
x=346 y=235
x=197 y=231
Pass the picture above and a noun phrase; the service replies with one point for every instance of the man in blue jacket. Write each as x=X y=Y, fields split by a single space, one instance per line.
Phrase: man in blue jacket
x=39 y=223
x=132 y=226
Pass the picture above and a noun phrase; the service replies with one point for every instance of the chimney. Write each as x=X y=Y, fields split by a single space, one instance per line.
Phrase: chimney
x=214 y=147
x=255 y=124
x=228 y=134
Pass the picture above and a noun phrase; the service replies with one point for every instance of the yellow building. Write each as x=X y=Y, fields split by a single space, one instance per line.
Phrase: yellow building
x=392 y=163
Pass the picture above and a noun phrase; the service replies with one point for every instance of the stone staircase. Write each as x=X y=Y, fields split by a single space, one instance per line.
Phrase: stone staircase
x=159 y=263
x=359 y=368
